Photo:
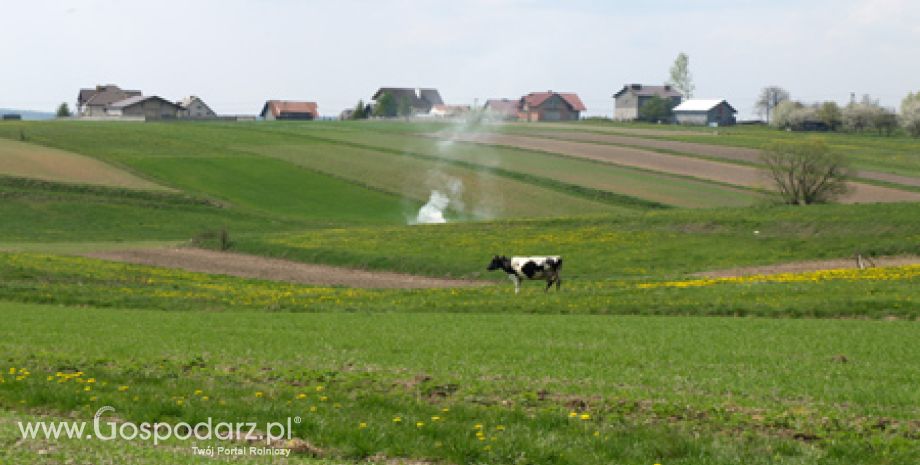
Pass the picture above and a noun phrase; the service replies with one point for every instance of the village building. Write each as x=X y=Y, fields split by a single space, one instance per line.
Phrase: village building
x=550 y=106
x=148 y=107
x=630 y=99
x=501 y=109
x=289 y=110
x=96 y=101
x=420 y=100
x=709 y=112
x=192 y=107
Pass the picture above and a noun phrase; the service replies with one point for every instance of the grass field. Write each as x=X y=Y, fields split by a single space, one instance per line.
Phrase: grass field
x=637 y=359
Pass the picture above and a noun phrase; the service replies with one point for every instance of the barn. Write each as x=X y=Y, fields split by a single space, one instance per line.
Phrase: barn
x=289 y=110
x=630 y=99
x=193 y=107
x=550 y=106
x=708 y=112
x=149 y=107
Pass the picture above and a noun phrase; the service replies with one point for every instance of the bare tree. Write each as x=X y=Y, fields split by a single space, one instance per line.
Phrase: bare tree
x=806 y=171
x=681 y=79
x=770 y=98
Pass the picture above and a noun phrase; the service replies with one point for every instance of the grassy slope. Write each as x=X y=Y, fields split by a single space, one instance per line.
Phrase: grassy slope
x=656 y=388
x=637 y=183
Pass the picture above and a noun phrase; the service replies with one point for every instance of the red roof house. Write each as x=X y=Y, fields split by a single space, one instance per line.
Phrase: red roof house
x=550 y=106
x=285 y=109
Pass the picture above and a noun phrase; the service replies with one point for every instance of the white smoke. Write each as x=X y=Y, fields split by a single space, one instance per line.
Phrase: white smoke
x=433 y=211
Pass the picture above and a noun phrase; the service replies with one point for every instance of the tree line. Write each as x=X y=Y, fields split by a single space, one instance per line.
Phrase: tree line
x=782 y=112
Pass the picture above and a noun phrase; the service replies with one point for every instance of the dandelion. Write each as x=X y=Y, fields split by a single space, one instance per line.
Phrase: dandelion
x=319 y=388
x=91 y=380
x=419 y=424
x=435 y=418
x=573 y=414
x=585 y=416
x=445 y=410
x=323 y=399
x=500 y=428
x=205 y=398
x=122 y=388
x=92 y=399
x=362 y=425
x=179 y=402
x=477 y=426
x=597 y=434
x=397 y=420
x=487 y=447
x=312 y=408
x=301 y=396
x=49 y=378
x=12 y=371
x=259 y=394
x=198 y=392
x=87 y=388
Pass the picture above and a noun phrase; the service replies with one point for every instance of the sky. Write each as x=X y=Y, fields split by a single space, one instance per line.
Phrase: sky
x=236 y=54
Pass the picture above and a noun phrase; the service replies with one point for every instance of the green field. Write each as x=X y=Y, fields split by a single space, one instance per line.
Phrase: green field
x=636 y=360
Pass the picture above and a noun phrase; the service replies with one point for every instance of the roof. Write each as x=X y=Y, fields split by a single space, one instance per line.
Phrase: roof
x=138 y=99
x=113 y=93
x=502 y=105
x=700 y=104
x=535 y=99
x=278 y=107
x=648 y=91
x=187 y=102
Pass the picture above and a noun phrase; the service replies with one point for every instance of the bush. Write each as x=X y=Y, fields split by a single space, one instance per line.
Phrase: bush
x=910 y=114
x=805 y=171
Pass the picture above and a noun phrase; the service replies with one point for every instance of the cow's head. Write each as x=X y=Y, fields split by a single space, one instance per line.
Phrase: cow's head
x=497 y=263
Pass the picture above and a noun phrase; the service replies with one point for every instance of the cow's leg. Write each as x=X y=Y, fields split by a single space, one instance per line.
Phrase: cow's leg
x=558 y=283
x=517 y=282
x=549 y=284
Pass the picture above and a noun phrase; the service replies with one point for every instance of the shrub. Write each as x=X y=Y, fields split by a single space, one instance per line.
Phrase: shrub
x=805 y=171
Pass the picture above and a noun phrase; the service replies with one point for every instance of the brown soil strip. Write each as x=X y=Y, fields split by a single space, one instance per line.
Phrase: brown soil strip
x=742 y=154
x=34 y=161
x=251 y=266
x=806 y=266
x=727 y=173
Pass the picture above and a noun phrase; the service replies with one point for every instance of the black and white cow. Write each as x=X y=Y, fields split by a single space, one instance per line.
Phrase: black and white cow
x=519 y=268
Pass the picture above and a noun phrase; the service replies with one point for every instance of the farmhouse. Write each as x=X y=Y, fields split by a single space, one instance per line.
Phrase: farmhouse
x=505 y=109
x=420 y=100
x=96 y=101
x=192 y=107
x=631 y=97
x=705 y=112
x=149 y=107
x=550 y=106
x=289 y=110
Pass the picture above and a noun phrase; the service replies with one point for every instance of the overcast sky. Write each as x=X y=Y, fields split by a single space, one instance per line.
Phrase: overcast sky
x=235 y=54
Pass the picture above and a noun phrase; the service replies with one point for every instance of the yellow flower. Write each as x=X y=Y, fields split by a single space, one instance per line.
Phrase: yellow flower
x=205 y=398
x=500 y=427
x=323 y=399
x=312 y=408
x=573 y=414
x=362 y=425
x=397 y=419
x=122 y=388
x=319 y=388
x=135 y=398
x=49 y=378
x=477 y=426
x=259 y=394
x=435 y=418
x=198 y=392
x=12 y=371
x=179 y=401
x=419 y=424
x=301 y=396
x=87 y=388
x=585 y=416
x=91 y=380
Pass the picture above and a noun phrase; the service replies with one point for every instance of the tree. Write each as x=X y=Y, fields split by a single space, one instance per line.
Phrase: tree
x=857 y=117
x=770 y=98
x=386 y=106
x=63 y=111
x=785 y=114
x=359 y=111
x=884 y=121
x=829 y=113
x=681 y=79
x=805 y=171
x=910 y=114
x=405 y=108
x=656 y=109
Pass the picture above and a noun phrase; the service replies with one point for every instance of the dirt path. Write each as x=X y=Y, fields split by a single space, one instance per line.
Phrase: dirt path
x=251 y=266
x=727 y=173
x=800 y=267
x=708 y=150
